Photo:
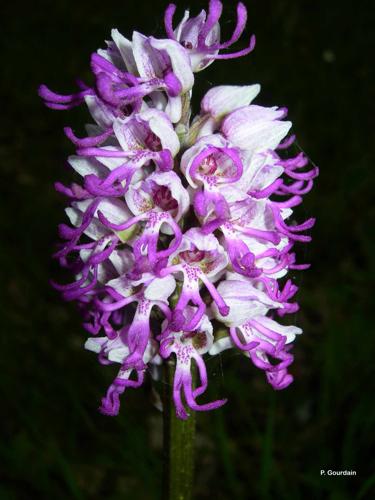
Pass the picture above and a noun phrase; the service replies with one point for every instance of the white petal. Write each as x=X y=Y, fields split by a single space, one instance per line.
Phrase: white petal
x=174 y=108
x=245 y=302
x=221 y=345
x=122 y=260
x=95 y=231
x=189 y=28
x=95 y=344
x=148 y=64
x=114 y=210
x=112 y=54
x=126 y=50
x=137 y=199
x=100 y=112
x=178 y=192
x=86 y=166
x=130 y=133
x=205 y=242
x=118 y=356
x=160 y=288
x=240 y=311
x=219 y=101
x=255 y=128
x=122 y=286
x=189 y=155
x=162 y=127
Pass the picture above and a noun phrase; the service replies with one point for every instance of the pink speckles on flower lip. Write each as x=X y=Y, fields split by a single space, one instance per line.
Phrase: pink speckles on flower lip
x=181 y=220
x=184 y=353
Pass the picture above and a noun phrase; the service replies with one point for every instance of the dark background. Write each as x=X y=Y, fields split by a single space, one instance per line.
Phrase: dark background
x=315 y=58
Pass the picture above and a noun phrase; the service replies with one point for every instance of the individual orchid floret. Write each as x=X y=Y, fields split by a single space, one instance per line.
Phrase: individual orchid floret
x=261 y=338
x=84 y=216
x=252 y=331
x=141 y=139
x=116 y=351
x=244 y=299
x=145 y=247
x=188 y=346
x=200 y=35
x=200 y=259
x=177 y=220
x=211 y=162
x=165 y=60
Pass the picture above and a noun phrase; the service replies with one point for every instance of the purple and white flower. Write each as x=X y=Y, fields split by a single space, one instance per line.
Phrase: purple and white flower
x=188 y=346
x=200 y=35
x=178 y=222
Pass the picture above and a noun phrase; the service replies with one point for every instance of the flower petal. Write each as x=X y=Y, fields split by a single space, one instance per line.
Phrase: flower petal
x=222 y=100
x=255 y=128
x=100 y=112
x=86 y=166
x=179 y=61
x=160 y=288
x=148 y=64
x=125 y=47
x=160 y=124
x=244 y=300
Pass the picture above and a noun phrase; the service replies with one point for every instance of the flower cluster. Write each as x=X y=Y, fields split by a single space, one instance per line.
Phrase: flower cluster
x=180 y=223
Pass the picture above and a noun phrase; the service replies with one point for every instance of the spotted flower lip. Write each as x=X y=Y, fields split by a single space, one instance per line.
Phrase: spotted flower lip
x=176 y=222
x=187 y=347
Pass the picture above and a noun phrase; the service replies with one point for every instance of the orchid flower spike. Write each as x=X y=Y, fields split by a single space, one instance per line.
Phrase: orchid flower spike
x=178 y=222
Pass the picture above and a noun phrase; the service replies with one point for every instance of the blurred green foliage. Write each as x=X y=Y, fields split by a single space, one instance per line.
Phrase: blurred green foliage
x=312 y=56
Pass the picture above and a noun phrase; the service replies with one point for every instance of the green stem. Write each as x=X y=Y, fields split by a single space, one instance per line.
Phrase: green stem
x=179 y=437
